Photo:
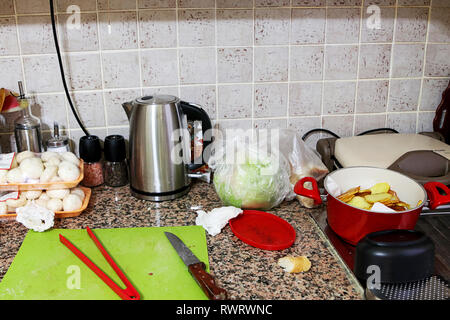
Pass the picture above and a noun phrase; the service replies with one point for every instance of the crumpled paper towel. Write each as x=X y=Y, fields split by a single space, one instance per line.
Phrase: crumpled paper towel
x=216 y=219
x=379 y=207
x=35 y=217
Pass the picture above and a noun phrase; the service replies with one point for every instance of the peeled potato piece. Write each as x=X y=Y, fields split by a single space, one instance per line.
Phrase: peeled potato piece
x=382 y=187
x=359 y=202
x=380 y=197
x=294 y=264
x=347 y=196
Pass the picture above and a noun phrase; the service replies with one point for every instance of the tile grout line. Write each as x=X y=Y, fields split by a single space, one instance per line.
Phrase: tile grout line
x=323 y=68
x=216 y=55
x=424 y=64
x=178 y=48
x=391 y=64
x=288 y=96
x=138 y=39
x=361 y=21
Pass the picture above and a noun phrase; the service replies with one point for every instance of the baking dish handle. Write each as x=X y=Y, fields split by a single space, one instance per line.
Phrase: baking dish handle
x=435 y=198
x=313 y=193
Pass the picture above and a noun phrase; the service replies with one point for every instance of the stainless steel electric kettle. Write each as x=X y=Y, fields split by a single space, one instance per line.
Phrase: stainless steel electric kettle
x=160 y=150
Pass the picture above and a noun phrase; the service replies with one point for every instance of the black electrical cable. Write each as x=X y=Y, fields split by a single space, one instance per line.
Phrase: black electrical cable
x=319 y=130
x=377 y=130
x=61 y=69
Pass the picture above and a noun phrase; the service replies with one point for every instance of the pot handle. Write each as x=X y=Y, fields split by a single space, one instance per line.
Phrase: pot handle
x=436 y=199
x=314 y=194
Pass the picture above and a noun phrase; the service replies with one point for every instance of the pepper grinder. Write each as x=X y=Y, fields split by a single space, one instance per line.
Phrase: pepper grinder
x=91 y=152
x=27 y=128
x=115 y=168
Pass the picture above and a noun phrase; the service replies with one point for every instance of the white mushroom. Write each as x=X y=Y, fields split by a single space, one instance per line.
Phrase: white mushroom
x=72 y=203
x=3 y=174
x=49 y=173
x=41 y=202
x=24 y=155
x=44 y=196
x=54 y=161
x=55 y=205
x=15 y=176
x=79 y=192
x=46 y=156
x=58 y=193
x=15 y=203
x=32 y=194
x=71 y=157
x=32 y=168
x=3 y=208
x=68 y=171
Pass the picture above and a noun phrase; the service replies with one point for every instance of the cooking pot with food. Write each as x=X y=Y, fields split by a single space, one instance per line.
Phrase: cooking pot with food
x=352 y=223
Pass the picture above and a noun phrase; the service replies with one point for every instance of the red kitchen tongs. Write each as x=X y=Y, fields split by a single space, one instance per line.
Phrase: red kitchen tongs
x=129 y=293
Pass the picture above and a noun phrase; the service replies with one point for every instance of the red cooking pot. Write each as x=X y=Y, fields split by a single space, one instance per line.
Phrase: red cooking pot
x=351 y=223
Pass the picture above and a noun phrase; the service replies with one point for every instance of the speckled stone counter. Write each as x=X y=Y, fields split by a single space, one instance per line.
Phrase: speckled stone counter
x=244 y=271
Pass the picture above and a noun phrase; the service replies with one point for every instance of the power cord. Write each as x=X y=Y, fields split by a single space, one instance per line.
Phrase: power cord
x=61 y=69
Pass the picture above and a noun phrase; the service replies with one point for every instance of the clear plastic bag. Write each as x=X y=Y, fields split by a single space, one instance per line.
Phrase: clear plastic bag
x=257 y=169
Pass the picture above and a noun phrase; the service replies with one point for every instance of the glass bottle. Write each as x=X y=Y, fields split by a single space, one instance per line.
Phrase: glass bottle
x=91 y=152
x=115 y=168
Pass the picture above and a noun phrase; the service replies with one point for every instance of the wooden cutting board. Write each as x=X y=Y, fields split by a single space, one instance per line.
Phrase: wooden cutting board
x=45 y=269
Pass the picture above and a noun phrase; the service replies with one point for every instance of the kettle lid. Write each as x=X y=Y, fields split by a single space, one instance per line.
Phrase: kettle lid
x=158 y=99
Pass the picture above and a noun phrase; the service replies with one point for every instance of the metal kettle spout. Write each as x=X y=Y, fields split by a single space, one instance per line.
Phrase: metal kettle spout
x=128 y=107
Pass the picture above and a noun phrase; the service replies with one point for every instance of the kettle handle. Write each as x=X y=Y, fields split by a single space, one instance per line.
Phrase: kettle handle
x=193 y=113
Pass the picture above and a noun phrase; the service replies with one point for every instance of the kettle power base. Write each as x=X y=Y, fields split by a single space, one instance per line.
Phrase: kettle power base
x=159 y=196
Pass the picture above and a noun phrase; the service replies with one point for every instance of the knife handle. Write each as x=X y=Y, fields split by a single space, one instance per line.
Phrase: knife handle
x=207 y=282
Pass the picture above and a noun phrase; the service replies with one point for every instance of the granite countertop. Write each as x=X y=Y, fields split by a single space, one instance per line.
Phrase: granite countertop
x=244 y=271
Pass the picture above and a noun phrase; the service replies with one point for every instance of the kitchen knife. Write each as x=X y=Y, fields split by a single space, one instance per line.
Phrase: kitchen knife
x=197 y=269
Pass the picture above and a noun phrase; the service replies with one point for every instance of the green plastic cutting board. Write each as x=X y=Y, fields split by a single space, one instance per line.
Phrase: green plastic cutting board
x=46 y=269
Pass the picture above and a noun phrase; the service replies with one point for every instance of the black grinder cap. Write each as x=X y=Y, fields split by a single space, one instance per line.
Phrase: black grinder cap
x=90 y=149
x=114 y=148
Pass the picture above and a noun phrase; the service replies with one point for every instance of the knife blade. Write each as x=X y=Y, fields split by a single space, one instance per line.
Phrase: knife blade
x=197 y=269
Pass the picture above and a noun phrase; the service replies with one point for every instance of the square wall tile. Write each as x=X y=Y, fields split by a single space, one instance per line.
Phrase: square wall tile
x=414 y=2
x=121 y=69
x=270 y=124
x=150 y=91
x=12 y=72
x=8 y=34
x=339 y=97
x=341 y=125
x=402 y=122
x=205 y=96
x=196 y=28
x=196 y=4
x=365 y=122
x=411 y=24
x=272 y=3
x=271 y=100
x=440 y=25
x=308 y=3
x=85 y=103
x=234 y=27
x=158 y=28
x=341 y=62
x=305 y=99
x=306 y=63
x=432 y=93
x=42 y=74
x=372 y=96
x=272 y=26
x=343 y=2
x=271 y=63
x=49 y=109
x=374 y=61
x=35 y=34
x=235 y=101
x=408 y=60
x=77 y=38
x=30 y=7
x=6 y=7
x=343 y=25
x=235 y=64
x=441 y=4
x=404 y=95
x=118 y=4
x=150 y=4
x=303 y=124
x=83 y=5
x=159 y=67
x=374 y=32
x=437 y=62
x=425 y=123
x=83 y=71
x=116 y=115
x=118 y=30
x=308 y=26
x=234 y=3
x=380 y=2
x=197 y=65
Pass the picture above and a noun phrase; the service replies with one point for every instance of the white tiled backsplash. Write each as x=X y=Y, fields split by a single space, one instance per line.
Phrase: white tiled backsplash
x=300 y=64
